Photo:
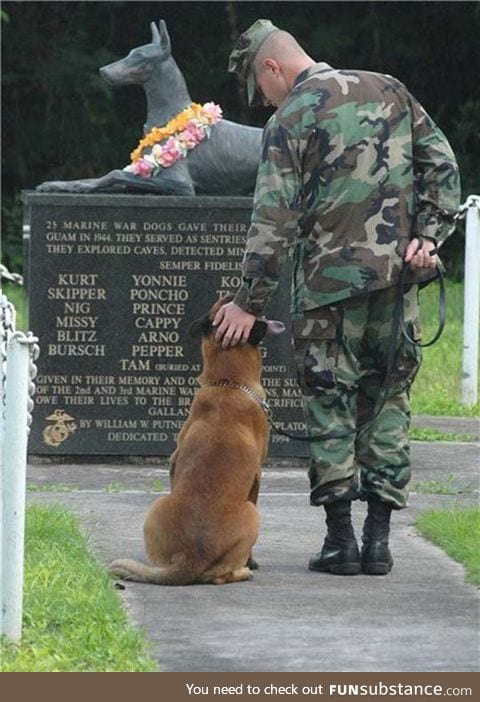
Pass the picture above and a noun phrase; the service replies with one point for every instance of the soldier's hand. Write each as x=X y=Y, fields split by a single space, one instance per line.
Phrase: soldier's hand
x=233 y=325
x=421 y=256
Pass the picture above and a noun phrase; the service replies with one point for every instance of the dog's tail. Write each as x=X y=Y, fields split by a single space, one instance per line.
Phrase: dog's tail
x=128 y=569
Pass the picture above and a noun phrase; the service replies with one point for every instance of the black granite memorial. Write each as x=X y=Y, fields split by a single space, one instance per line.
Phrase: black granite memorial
x=114 y=282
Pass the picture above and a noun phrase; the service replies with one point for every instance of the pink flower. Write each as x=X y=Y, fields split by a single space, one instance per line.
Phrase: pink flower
x=142 y=168
x=213 y=113
x=168 y=153
x=196 y=129
x=188 y=139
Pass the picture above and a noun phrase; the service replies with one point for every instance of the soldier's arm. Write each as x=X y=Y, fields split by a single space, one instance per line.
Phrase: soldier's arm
x=274 y=219
x=437 y=180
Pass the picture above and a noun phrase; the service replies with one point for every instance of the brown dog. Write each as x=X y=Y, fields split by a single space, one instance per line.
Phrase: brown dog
x=204 y=531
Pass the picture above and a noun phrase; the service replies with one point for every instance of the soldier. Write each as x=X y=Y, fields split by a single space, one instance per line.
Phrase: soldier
x=355 y=180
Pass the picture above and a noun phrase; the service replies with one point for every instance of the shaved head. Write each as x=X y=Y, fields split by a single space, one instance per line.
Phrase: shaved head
x=278 y=62
x=282 y=47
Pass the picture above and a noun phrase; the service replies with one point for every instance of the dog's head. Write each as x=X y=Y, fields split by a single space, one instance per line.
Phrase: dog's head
x=203 y=326
x=142 y=62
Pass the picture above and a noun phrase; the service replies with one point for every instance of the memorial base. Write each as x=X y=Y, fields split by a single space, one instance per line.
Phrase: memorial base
x=114 y=282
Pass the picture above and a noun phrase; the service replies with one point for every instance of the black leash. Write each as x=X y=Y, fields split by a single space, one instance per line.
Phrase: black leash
x=398 y=326
x=442 y=308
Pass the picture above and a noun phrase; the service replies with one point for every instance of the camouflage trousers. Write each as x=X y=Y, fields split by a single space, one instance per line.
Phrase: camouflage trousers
x=341 y=357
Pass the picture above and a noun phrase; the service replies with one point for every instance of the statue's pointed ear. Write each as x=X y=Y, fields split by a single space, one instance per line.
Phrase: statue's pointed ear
x=160 y=36
x=156 y=39
x=200 y=327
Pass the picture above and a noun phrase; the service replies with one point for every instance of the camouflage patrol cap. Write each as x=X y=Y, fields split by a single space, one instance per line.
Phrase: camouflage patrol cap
x=243 y=53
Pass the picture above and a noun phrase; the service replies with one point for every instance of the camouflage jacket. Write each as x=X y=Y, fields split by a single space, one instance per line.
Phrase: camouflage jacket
x=352 y=167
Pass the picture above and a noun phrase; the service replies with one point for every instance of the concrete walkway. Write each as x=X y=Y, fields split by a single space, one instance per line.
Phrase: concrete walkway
x=421 y=617
x=467 y=426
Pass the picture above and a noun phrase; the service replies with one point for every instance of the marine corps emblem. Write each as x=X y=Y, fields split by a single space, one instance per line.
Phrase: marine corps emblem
x=64 y=425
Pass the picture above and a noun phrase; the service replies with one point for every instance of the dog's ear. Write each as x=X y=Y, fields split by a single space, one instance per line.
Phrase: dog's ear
x=264 y=327
x=200 y=327
x=274 y=327
x=258 y=331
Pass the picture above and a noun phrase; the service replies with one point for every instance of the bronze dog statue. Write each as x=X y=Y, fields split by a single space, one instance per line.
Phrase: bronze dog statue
x=205 y=529
x=224 y=164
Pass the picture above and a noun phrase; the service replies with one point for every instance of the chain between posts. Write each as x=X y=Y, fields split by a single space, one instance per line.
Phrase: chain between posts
x=12 y=277
x=34 y=352
x=7 y=329
x=461 y=213
x=9 y=334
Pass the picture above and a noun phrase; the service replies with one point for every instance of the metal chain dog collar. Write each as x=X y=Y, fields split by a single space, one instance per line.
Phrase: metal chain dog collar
x=244 y=388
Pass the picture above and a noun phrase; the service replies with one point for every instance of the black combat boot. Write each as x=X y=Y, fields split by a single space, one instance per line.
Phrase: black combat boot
x=376 y=557
x=340 y=554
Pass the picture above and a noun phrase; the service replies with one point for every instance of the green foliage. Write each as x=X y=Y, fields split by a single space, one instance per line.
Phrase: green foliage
x=12 y=213
x=437 y=388
x=465 y=135
x=16 y=295
x=457 y=531
x=73 y=619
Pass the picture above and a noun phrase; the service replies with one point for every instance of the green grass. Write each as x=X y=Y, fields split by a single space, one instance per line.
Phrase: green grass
x=445 y=486
x=437 y=387
x=157 y=486
x=457 y=531
x=425 y=434
x=50 y=487
x=114 y=487
x=73 y=618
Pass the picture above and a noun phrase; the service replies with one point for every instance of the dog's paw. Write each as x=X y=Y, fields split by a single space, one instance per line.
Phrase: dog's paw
x=50 y=186
x=233 y=576
x=243 y=574
x=87 y=185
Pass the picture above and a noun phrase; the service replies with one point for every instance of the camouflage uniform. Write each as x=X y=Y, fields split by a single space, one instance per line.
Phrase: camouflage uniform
x=352 y=168
x=341 y=356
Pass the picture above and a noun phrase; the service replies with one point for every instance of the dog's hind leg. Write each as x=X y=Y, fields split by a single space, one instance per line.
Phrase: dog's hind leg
x=231 y=566
x=253 y=497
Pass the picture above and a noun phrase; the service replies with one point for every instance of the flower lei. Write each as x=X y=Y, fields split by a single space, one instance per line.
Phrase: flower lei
x=172 y=142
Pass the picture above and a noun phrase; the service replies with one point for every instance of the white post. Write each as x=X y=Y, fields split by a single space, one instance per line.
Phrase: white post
x=3 y=344
x=14 y=479
x=472 y=302
x=7 y=327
